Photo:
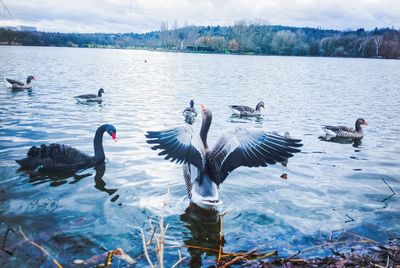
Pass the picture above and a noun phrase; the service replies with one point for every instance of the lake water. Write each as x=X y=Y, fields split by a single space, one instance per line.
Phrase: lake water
x=332 y=190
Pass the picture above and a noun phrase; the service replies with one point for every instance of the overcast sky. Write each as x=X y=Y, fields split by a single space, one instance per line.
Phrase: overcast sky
x=146 y=15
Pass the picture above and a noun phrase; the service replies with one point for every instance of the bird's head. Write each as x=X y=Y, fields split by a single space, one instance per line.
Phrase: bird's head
x=112 y=131
x=206 y=114
x=191 y=103
x=101 y=91
x=361 y=121
x=29 y=78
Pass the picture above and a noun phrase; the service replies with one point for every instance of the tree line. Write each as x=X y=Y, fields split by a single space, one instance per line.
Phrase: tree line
x=241 y=38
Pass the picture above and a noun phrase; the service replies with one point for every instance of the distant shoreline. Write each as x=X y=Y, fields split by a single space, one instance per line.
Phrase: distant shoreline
x=203 y=52
x=240 y=39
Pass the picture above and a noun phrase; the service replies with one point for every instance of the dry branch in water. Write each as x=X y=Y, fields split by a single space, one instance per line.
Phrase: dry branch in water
x=39 y=247
x=159 y=242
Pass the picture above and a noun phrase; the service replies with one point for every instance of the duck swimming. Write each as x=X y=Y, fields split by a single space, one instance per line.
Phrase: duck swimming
x=346 y=132
x=91 y=97
x=242 y=110
x=204 y=169
x=14 y=84
x=60 y=156
x=190 y=113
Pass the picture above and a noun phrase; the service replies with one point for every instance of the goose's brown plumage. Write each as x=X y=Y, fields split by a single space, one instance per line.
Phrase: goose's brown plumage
x=19 y=85
x=91 y=97
x=243 y=110
x=346 y=132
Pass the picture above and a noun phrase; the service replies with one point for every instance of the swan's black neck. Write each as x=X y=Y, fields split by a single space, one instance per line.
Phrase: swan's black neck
x=205 y=126
x=99 y=156
x=100 y=92
x=28 y=80
x=258 y=107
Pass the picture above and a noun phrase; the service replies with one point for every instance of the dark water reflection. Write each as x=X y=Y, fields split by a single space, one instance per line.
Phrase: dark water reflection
x=203 y=231
x=284 y=207
x=58 y=178
x=234 y=118
x=355 y=142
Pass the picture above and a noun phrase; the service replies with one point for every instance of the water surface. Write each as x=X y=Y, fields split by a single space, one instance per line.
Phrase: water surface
x=330 y=187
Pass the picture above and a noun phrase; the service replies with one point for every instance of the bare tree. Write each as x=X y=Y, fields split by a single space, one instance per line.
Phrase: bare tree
x=378 y=40
x=164 y=33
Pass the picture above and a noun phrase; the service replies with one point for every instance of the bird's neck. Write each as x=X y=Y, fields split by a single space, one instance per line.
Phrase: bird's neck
x=358 y=127
x=205 y=126
x=258 y=107
x=99 y=156
x=99 y=94
x=28 y=81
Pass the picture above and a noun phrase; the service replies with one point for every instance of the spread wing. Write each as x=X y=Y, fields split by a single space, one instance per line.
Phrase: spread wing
x=250 y=148
x=241 y=108
x=14 y=82
x=180 y=145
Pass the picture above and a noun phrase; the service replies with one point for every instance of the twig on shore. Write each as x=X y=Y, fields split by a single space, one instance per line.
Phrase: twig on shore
x=146 y=253
x=220 y=235
x=363 y=240
x=179 y=261
x=233 y=261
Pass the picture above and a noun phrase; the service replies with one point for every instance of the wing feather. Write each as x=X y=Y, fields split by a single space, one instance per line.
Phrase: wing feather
x=242 y=108
x=250 y=148
x=14 y=82
x=180 y=145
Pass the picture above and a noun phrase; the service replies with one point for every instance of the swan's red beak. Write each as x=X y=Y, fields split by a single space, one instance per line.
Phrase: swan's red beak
x=114 y=136
x=365 y=122
x=203 y=107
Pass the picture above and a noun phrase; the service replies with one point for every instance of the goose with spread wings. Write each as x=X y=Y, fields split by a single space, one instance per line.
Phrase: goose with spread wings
x=204 y=169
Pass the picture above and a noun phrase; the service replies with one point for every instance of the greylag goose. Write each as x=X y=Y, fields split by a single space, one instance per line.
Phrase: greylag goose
x=242 y=110
x=14 y=84
x=60 y=156
x=190 y=113
x=346 y=132
x=204 y=169
x=91 y=97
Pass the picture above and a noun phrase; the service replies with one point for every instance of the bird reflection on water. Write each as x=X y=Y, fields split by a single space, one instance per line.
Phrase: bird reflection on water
x=234 y=118
x=356 y=142
x=60 y=178
x=203 y=230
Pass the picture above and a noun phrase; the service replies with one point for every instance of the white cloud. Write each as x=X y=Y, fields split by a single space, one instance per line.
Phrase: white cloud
x=146 y=15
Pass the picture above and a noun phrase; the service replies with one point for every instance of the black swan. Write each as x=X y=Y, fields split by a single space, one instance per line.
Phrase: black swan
x=246 y=110
x=14 y=84
x=190 y=113
x=60 y=156
x=346 y=132
x=204 y=169
x=91 y=97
